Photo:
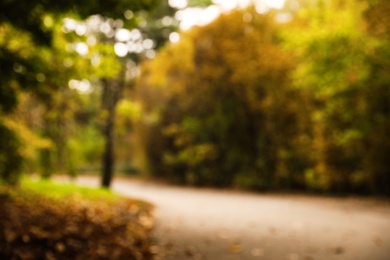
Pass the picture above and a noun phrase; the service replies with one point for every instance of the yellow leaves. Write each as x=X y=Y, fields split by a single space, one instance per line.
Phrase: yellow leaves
x=103 y=115
x=318 y=179
x=348 y=136
x=28 y=137
x=173 y=61
x=229 y=52
x=48 y=21
x=189 y=152
x=134 y=209
x=108 y=67
x=235 y=248
x=146 y=220
x=171 y=129
x=239 y=53
x=128 y=109
x=197 y=154
x=184 y=62
x=218 y=75
x=154 y=73
x=16 y=41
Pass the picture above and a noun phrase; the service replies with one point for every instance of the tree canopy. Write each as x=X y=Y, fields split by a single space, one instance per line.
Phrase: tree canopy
x=257 y=101
x=37 y=56
x=296 y=98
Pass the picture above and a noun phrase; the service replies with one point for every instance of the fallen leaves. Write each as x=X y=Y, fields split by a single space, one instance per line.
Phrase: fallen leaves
x=338 y=250
x=235 y=248
x=36 y=227
x=146 y=220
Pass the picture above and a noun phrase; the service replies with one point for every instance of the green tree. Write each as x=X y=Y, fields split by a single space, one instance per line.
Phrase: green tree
x=154 y=30
x=339 y=70
x=27 y=51
x=376 y=94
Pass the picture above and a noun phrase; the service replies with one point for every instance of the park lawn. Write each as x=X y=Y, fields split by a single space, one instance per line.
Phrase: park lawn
x=46 y=220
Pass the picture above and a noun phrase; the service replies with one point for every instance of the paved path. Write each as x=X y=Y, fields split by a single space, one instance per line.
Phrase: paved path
x=211 y=224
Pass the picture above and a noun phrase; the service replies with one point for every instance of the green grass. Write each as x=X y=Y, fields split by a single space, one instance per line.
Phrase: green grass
x=32 y=188
x=60 y=191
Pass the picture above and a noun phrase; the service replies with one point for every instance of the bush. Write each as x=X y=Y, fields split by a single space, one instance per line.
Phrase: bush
x=10 y=156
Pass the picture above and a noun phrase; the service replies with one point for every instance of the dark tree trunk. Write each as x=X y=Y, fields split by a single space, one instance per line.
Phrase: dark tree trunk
x=108 y=154
x=112 y=91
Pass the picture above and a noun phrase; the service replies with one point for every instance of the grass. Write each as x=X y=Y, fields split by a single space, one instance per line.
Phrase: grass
x=54 y=190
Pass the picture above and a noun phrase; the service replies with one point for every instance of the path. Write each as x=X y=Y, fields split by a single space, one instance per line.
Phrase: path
x=210 y=224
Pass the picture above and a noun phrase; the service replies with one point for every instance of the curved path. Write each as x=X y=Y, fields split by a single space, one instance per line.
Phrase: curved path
x=213 y=224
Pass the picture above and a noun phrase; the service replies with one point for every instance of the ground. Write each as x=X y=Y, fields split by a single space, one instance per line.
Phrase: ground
x=213 y=224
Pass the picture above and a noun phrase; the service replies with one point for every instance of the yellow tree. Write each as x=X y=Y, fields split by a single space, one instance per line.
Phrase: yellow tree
x=341 y=73
x=223 y=108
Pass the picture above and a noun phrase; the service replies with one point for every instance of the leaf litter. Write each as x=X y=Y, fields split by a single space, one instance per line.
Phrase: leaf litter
x=37 y=227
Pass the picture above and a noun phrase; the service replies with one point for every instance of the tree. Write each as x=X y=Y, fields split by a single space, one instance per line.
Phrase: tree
x=40 y=18
x=153 y=31
x=255 y=101
x=338 y=68
x=27 y=66
x=218 y=99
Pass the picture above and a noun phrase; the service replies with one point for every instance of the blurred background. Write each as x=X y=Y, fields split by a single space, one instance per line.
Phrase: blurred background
x=259 y=95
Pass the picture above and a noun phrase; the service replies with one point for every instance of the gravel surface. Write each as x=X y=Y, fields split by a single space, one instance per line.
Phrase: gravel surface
x=213 y=224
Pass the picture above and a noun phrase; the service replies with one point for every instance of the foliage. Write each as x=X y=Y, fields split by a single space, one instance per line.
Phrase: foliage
x=63 y=221
x=254 y=102
x=15 y=12
x=336 y=59
x=199 y=3
x=217 y=100
x=37 y=56
x=294 y=99
x=10 y=155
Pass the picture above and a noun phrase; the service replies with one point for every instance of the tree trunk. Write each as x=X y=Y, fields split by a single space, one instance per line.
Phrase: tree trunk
x=112 y=91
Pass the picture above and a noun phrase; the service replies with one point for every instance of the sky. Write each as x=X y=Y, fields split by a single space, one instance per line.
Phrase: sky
x=190 y=17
